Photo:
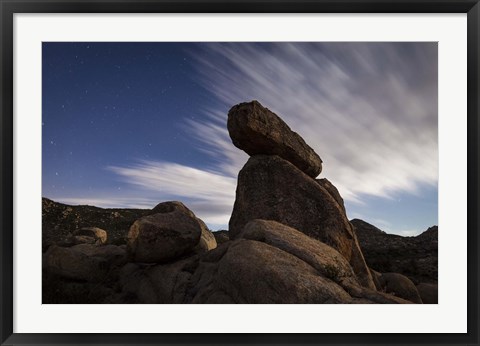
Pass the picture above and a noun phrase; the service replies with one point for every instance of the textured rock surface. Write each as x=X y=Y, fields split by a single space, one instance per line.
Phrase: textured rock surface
x=169 y=233
x=326 y=260
x=256 y=130
x=414 y=257
x=271 y=188
x=284 y=277
x=241 y=271
x=332 y=190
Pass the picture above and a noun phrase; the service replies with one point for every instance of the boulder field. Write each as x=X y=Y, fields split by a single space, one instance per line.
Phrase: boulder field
x=289 y=241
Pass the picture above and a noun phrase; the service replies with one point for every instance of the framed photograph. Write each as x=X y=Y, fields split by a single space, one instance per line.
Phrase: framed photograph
x=239 y=172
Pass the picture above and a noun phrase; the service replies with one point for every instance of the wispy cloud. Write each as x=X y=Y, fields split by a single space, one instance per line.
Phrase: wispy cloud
x=209 y=194
x=368 y=109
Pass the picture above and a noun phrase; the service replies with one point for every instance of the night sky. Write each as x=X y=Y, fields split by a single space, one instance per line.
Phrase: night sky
x=135 y=124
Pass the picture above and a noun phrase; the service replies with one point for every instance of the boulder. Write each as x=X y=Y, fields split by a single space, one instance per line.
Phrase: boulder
x=113 y=254
x=325 y=259
x=428 y=293
x=98 y=234
x=271 y=188
x=71 y=264
x=169 y=233
x=400 y=286
x=253 y=272
x=258 y=131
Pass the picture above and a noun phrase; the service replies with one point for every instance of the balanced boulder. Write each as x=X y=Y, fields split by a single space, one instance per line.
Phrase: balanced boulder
x=169 y=233
x=257 y=130
x=271 y=188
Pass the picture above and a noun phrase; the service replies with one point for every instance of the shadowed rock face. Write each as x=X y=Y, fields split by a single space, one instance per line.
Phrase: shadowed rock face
x=271 y=188
x=258 y=131
x=414 y=257
x=269 y=263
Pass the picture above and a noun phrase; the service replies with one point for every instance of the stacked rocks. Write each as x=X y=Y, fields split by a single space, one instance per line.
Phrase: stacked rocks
x=278 y=183
x=289 y=240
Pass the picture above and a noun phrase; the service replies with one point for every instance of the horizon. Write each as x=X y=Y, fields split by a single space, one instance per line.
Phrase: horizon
x=135 y=124
x=226 y=229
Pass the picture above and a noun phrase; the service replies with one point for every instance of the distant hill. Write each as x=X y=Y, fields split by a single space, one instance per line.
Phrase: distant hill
x=415 y=257
x=58 y=220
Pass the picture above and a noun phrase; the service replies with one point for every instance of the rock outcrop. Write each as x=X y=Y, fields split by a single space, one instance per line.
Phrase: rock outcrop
x=268 y=263
x=289 y=241
x=258 y=131
x=272 y=188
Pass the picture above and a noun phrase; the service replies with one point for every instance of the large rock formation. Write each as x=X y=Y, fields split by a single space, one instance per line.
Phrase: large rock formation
x=272 y=188
x=289 y=241
x=268 y=263
x=257 y=131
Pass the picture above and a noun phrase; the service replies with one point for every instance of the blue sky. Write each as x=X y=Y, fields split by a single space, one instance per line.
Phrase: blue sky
x=134 y=124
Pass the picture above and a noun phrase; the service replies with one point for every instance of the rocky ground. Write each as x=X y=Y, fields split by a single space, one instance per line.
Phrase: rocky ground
x=61 y=220
x=289 y=240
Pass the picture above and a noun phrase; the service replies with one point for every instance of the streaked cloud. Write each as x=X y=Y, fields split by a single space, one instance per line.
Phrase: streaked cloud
x=368 y=109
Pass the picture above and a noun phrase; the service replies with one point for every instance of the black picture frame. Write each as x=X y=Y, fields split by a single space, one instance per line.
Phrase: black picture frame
x=9 y=7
